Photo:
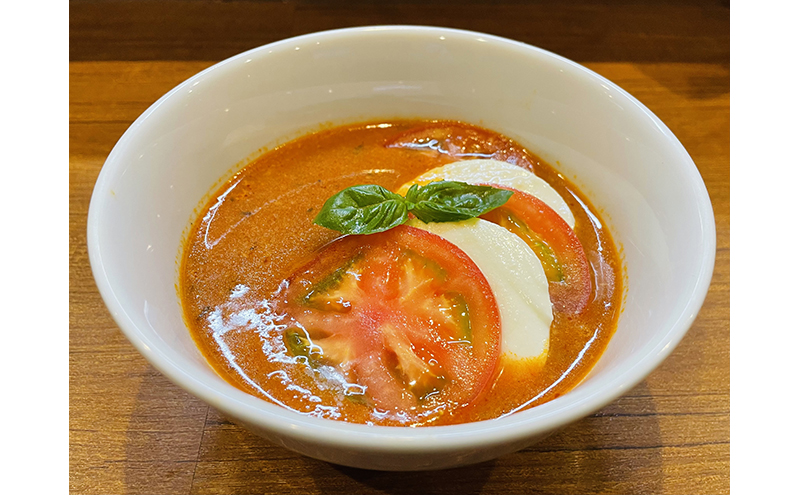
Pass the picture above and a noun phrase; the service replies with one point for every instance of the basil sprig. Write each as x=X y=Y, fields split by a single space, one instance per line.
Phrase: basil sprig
x=370 y=208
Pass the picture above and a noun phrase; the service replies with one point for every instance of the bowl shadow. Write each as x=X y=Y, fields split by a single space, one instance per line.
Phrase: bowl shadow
x=194 y=449
x=616 y=450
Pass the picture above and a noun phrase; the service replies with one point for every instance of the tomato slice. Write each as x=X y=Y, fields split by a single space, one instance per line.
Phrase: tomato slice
x=460 y=141
x=403 y=313
x=554 y=243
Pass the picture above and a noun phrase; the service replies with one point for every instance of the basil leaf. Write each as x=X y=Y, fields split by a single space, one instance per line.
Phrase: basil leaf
x=363 y=209
x=449 y=201
x=369 y=209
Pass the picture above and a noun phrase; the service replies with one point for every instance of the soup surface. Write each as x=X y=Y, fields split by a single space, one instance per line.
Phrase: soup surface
x=255 y=243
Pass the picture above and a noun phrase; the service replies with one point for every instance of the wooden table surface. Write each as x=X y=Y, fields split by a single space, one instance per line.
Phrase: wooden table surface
x=133 y=431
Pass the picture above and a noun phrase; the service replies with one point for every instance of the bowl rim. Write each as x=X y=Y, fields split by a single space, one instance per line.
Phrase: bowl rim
x=516 y=427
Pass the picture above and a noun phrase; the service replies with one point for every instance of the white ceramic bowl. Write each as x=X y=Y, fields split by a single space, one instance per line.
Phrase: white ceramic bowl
x=620 y=154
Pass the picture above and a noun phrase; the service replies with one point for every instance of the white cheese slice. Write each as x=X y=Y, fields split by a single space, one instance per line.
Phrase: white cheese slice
x=486 y=171
x=516 y=277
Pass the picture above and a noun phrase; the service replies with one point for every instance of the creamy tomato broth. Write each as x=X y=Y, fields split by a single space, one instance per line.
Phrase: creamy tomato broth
x=401 y=327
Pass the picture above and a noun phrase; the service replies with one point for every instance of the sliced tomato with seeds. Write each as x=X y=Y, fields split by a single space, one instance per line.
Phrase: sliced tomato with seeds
x=554 y=243
x=404 y=313
x=459 y=141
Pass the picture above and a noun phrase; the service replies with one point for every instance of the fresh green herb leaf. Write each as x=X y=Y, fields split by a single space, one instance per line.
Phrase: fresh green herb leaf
x=449 y=201
x=363 y=209
x=369 y=209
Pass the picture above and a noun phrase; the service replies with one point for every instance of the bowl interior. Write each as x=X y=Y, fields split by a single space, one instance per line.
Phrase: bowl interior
x=628 y=163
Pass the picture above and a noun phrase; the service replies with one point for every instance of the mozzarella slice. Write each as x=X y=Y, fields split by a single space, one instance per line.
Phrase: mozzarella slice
x=516 y=277
x=499 y=173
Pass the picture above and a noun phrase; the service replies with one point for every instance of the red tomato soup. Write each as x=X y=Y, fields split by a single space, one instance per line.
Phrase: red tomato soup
x=396 y=328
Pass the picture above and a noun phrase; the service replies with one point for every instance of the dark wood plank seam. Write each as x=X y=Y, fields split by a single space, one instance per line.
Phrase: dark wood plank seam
x=121 y=430
x=703 y=394
x=642 y=415
x=100 y=122
x=128 y=461
x=199 y=449
x=642 y=447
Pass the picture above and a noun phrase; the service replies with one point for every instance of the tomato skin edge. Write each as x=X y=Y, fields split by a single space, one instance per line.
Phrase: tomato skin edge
x=476 y=278
x=429 y=137
x=573 y=294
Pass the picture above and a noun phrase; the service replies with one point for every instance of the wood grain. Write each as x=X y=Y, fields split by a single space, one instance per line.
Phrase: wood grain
x=133 y=431
x=585 y=30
